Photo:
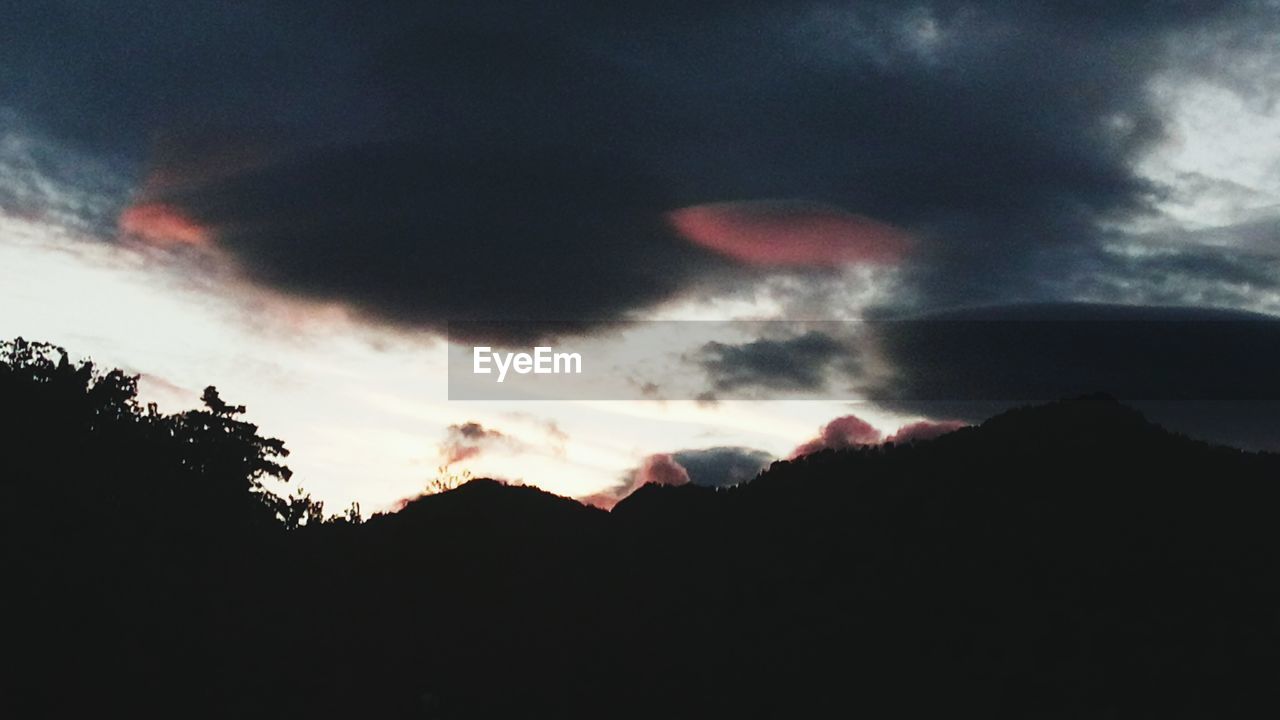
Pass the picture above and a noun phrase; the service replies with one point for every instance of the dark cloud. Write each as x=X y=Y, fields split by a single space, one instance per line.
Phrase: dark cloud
x=497 y=160
x=420 y=237
x=798 y=363
x=1031 y=353
x=708 y=467
x=1243 y=274
x=722 y=466
x=467 y=440
x=1208 y=372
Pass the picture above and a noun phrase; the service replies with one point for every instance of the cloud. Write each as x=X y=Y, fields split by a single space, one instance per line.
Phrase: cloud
x=557 y=438
x=660 y=469
x=1243 y=276
x=843 y=432
x=1039 y=352
x=797 y=363
x=160 y=224
x=44 y=182
x=657 y=469
x=426 y=163
x=722 y=466
x=467 y=440
x=783 y=233
x=417 y=236
x=1207 y=372
x=924 y=430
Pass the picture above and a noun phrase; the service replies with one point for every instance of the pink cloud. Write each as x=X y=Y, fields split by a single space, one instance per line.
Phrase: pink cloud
x=602 y=500
x=847 y=431
x=181 y=164
x=843 y=432
x=162 y=224
x=925 y=430
x=659 y=469
x=789 y=233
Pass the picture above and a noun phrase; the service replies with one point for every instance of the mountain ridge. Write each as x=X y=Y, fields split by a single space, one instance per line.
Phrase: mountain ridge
x=1064 y=560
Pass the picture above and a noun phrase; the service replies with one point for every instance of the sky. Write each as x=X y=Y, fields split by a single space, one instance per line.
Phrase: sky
x=773 y=227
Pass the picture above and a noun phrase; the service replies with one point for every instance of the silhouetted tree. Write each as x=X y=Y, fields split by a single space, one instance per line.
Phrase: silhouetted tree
x=446 y=480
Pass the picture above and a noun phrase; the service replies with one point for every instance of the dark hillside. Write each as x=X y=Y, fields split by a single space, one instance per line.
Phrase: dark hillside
x=1068 y=560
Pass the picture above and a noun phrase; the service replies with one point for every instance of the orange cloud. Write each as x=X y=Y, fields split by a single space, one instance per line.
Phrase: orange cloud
x=789 y=233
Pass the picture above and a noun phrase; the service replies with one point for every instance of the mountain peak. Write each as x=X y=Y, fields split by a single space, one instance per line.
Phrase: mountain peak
x=1087 y=419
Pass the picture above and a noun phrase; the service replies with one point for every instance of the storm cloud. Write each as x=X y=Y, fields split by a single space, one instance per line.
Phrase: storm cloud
x=1210 y=373
x=508 y=161
x=1037 y=352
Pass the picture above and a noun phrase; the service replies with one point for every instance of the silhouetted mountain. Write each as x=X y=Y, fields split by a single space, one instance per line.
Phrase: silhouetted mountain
x=493 y=506
x=652 y=499
x=1066 y=560
x=1091 y=422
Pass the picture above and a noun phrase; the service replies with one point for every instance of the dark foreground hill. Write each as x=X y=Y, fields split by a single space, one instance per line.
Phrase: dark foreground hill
x=1064 y=561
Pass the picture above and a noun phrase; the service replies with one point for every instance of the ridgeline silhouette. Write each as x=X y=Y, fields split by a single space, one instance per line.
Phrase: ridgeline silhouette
x=1069 y=560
